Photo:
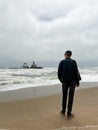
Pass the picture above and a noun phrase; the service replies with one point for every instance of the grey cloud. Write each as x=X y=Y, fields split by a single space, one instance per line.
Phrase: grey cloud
x=44 y=29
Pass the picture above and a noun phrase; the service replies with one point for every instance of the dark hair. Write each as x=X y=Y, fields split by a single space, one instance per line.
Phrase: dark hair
x=68 y=53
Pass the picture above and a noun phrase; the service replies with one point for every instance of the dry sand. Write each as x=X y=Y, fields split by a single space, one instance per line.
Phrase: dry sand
x=43 y=113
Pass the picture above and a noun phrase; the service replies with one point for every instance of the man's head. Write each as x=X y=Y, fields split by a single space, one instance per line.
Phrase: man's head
x=68 y=54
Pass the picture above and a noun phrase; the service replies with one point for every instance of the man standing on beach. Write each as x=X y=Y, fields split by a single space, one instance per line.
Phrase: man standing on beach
x=69 y=76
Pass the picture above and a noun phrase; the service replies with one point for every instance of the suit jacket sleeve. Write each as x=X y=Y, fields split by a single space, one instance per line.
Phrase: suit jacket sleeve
x=60 y=69
x=77 y=74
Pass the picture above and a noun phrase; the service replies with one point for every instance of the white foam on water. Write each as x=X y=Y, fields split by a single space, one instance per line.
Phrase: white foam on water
x=77 y=128
x=11 y=79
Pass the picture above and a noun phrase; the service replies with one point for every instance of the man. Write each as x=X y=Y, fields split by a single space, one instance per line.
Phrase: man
x=69 y=76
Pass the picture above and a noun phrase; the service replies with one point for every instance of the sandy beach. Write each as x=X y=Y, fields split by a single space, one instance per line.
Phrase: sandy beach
x=43 y=112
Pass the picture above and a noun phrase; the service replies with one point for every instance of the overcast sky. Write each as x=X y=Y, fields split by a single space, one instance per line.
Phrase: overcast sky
x=44 y=29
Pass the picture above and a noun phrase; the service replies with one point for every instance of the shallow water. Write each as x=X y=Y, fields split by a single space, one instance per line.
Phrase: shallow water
x=88 y=127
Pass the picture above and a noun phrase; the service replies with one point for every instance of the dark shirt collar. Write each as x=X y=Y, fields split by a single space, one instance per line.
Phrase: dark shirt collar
x=68 y=58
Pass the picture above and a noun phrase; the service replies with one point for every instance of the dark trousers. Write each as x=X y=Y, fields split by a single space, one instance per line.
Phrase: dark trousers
x=68 y=92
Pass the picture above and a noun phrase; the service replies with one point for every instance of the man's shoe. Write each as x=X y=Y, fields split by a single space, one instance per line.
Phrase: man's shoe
x=62 y=113
x=70 y=116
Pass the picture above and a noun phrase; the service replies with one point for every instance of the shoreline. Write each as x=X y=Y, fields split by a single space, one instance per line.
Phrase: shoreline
x=43 y=113
x=37 y=92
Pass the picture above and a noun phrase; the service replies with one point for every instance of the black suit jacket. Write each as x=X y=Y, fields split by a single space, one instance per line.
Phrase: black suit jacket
x=68 y=71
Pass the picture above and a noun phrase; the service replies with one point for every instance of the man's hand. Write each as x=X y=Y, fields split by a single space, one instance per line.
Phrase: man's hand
x=77 y=84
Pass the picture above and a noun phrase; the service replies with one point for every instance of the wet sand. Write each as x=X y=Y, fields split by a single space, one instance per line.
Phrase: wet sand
x=43 y=112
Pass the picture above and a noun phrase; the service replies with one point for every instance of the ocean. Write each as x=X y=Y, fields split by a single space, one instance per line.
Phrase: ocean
x=11 y=79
